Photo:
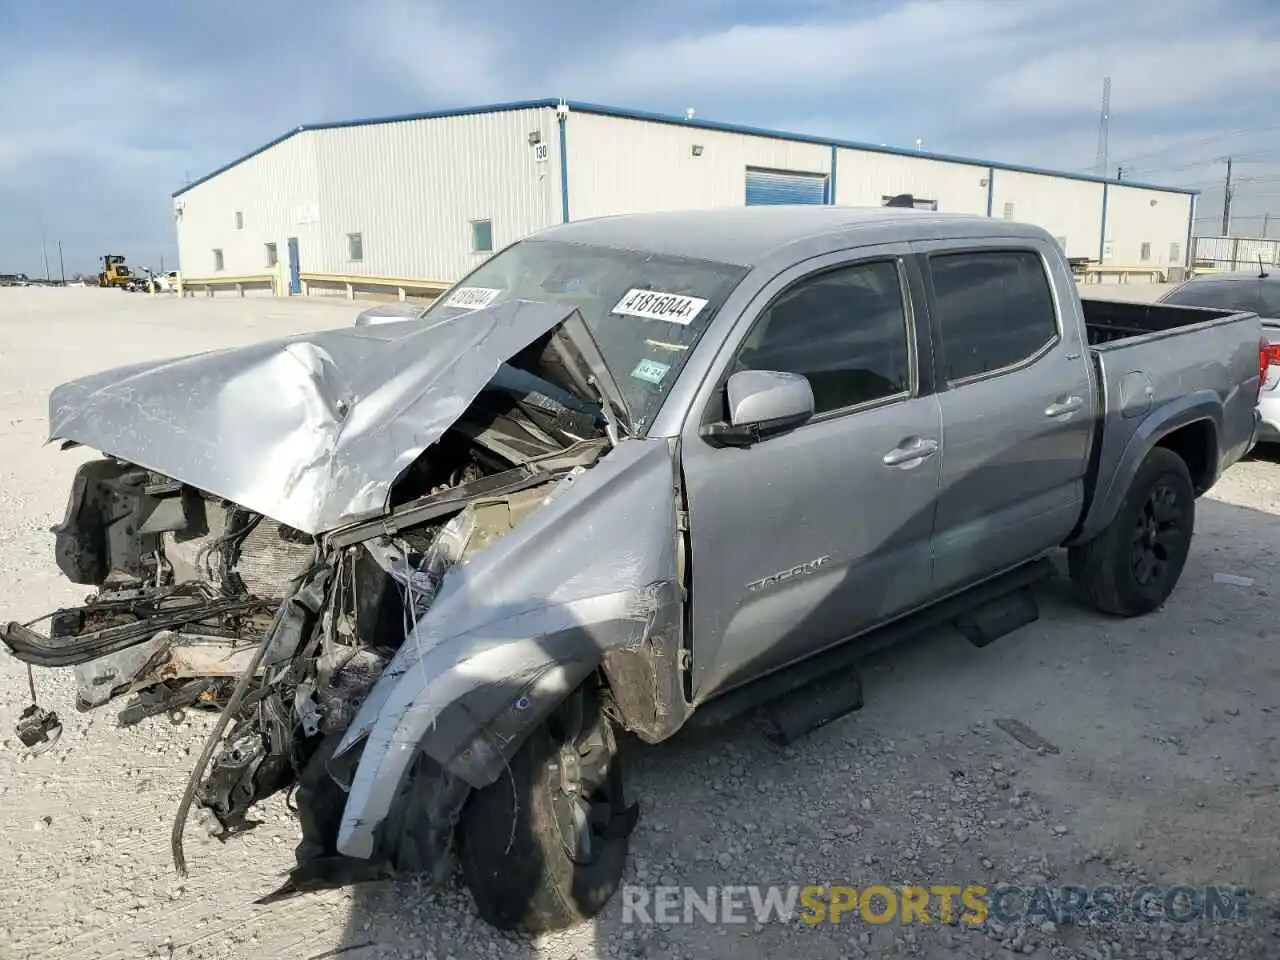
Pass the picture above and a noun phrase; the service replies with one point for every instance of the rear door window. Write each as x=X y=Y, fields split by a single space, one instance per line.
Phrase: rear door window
x=995 y=309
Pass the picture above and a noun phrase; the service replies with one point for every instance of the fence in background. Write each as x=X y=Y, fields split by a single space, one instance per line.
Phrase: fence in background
x=1235 y=253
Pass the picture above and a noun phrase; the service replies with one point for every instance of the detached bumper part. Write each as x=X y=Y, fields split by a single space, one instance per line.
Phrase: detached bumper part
x=66 y=646
x=38 y=729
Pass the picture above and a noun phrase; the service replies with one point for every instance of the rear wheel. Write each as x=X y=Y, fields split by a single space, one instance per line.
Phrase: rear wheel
x=1132 y=566
x=544 y=847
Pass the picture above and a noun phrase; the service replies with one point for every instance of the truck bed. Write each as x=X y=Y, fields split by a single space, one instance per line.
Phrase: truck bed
x=1161 y=364
x=1107 y=321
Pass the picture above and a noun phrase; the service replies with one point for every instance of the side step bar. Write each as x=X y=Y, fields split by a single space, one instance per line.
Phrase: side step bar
x=822 y=688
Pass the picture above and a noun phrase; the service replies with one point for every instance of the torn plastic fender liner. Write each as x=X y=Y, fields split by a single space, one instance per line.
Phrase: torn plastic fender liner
x=518 y=627
x=350 y=410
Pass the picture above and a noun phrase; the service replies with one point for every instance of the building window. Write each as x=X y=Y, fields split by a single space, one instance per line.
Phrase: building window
x=1145 y=253
x=481 y=236
x=355 y=247
x=273 y=257
x=1175 y=253
x=239 y=220
x=1008 y=210
x=217 y=261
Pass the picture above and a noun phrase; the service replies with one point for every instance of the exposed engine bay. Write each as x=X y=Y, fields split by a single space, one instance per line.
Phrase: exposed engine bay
x=202 y=603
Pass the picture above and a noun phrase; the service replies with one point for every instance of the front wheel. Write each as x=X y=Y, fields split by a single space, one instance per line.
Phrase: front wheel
x=544 y=846
x=1132 y=566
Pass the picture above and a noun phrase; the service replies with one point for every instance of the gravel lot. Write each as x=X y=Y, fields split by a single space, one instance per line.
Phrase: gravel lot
x=1165 y=770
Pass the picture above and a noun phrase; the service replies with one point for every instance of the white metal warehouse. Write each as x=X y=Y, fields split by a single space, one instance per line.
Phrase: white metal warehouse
x=429 y=196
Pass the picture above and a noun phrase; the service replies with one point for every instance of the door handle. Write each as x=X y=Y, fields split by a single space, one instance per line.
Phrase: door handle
x=910 y=451
x=1063 y=406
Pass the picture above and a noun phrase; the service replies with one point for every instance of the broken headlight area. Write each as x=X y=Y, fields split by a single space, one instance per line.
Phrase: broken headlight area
x=202 y=604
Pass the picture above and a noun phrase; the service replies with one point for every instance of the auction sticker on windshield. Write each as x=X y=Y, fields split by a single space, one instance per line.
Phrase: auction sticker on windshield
x=472 y=298
x=656 y=305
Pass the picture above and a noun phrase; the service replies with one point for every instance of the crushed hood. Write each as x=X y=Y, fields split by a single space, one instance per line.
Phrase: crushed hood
x=311 y=430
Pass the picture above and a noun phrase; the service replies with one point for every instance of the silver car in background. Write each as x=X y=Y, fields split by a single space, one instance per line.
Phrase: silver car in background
x=1255 y=292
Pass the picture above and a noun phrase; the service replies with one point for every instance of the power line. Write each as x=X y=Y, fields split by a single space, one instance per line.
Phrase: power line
x=1256 y=157
x=1236 y=217
x=1184 y=144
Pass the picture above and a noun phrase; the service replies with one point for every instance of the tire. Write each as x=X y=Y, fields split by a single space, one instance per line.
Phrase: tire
x=1132 y=566
x=511 y=835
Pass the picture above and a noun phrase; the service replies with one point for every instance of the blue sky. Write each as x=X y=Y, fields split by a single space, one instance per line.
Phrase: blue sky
x=105 y=114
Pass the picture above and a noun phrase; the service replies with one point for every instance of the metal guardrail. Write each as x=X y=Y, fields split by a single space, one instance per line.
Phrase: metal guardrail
x=350 y=284
x=240 y=283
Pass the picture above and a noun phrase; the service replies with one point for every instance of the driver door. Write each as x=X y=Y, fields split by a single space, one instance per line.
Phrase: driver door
x=814 y=535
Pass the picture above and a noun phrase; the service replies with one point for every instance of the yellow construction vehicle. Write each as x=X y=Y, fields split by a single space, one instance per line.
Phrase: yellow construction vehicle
x=114 y=273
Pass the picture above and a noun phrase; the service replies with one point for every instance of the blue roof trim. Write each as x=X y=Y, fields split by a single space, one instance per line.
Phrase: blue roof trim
x=625 y=114
x=435 y=114
x=235 y=163
x=372 y=122
x=607 y=111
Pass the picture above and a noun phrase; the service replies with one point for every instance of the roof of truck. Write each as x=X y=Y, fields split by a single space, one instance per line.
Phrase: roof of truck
x=748 y=235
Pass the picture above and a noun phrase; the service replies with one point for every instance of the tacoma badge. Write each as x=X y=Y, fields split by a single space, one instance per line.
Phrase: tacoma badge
x=799 y=570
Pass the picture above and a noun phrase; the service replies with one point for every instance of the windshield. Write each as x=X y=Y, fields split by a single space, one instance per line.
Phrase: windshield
x=1249 y=296
x=645 y=311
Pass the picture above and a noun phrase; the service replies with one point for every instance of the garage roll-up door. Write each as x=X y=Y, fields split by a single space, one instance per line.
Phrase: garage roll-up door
x=780 y=186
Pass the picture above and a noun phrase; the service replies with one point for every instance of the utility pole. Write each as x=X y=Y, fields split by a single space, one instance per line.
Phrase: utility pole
x=44 y=250
x=1226 y=202
x=61 y=267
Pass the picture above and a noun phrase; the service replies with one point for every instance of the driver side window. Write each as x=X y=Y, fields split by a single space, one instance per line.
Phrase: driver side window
x=844 y=329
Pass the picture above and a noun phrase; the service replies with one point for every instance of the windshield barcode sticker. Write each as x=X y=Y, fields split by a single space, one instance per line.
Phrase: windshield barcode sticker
x=472 y=298
x=656 y=305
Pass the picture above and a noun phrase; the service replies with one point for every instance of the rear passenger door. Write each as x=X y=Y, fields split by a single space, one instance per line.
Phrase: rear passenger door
x=1017 y=405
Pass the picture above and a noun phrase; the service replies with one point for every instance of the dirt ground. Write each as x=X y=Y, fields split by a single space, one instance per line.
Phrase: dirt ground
x=1161 y=764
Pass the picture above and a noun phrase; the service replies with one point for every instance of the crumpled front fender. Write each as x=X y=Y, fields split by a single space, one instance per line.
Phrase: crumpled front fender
x=517 y=627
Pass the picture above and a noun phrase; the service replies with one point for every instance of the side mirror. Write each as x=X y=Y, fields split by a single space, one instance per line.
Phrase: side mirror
x=762 y=403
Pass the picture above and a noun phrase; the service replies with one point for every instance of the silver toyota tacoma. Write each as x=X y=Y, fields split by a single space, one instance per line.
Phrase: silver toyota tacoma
x=631 y=474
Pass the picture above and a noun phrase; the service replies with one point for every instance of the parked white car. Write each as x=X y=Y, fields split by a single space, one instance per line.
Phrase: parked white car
x=1254 y=291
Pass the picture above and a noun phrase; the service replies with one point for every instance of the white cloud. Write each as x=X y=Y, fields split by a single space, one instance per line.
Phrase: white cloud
x=86 y=105
x=425 y=49
x=812 y=59
x=103 y=131
x=1146 y=73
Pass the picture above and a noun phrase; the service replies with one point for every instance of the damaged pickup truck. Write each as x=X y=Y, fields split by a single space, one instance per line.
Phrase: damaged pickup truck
x=630 y=474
